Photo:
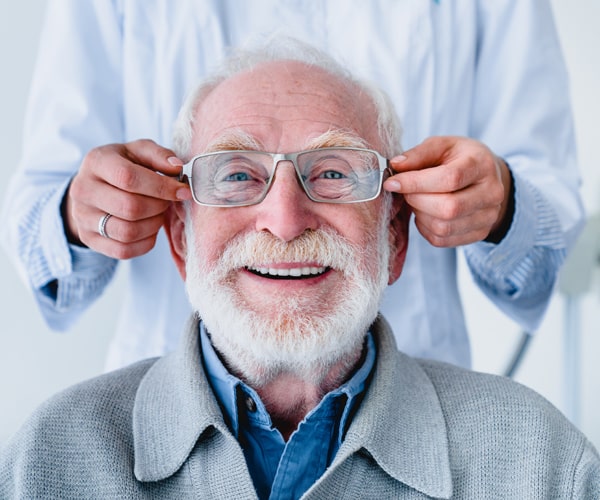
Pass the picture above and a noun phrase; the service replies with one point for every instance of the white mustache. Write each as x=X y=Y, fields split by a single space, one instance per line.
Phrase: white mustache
x=320 y=248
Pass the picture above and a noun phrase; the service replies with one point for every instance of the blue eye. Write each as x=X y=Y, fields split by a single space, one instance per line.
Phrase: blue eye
x=237 y=177
x=332 y=174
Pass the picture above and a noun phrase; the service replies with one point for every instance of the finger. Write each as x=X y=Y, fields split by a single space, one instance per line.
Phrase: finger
x=464 y=231
x=133 y=178
x=447 y=178
x=446 y=206
x=122 y=251
x=430 y=153
x=151 y=155
x=458 y=204
x=141 y=167
x=115 y=230
x=124 y=231
x=106 y=198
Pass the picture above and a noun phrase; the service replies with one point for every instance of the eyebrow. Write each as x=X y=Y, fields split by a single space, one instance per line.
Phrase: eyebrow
x=337 y=138
x=236 y=140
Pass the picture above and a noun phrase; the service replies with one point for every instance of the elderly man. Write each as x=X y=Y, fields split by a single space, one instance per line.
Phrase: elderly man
x=290 y=384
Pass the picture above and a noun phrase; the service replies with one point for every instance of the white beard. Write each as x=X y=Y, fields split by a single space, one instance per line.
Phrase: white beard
x=292 y=338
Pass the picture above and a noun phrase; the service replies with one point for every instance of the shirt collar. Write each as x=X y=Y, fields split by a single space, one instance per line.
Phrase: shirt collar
x=226 y=386
x=400 y=422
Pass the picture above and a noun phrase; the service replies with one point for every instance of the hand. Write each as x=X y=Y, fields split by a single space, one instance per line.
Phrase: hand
x=122 y=180
x=459 y=190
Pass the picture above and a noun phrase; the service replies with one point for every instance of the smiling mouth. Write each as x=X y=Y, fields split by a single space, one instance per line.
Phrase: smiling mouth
x=296 y=273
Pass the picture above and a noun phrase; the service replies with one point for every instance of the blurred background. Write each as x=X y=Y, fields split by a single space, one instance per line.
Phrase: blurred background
x=561 y=361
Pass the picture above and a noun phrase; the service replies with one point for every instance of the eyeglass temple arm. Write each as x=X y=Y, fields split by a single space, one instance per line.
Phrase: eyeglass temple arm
x=388 y=168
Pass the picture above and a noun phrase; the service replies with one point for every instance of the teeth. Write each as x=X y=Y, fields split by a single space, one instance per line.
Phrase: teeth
x=295 y=272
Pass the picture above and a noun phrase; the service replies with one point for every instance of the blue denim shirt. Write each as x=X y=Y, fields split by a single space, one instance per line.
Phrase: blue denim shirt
x=279 y=469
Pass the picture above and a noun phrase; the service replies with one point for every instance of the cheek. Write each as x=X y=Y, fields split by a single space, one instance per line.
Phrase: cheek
x=358 y=223
x=213 y=230
x=366 y=233
x=359 y=226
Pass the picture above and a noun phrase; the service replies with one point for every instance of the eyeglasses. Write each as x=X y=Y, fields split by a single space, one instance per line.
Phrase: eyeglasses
x=327 y=175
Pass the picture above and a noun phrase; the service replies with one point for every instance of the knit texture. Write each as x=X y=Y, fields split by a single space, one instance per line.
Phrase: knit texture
x=424 y=430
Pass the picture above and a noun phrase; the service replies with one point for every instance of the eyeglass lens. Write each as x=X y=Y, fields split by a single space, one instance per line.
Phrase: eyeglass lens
x=236 y=178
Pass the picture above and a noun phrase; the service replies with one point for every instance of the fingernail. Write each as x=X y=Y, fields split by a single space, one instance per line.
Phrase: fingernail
x=183 y=194
x=176 y=162
x=392 y=185
x=398 y=159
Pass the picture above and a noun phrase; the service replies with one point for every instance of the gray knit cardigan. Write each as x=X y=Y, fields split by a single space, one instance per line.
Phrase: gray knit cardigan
x=424 y=430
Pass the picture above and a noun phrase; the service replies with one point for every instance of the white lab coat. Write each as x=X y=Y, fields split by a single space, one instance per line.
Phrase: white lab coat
x=115 y=71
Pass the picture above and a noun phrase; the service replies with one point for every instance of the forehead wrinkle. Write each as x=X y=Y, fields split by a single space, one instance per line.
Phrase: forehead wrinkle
x=235 y=136
x=260 y=110
x=285 y=111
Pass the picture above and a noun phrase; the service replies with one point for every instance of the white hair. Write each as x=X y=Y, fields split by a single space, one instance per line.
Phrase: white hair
x=282 y=48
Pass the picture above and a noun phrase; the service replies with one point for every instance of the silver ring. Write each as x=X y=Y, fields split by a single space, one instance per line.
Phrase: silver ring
x=102 y=225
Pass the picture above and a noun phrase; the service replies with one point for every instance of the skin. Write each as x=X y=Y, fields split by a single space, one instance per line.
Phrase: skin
x=458 y=189
x=283 y=110
x=122 y=180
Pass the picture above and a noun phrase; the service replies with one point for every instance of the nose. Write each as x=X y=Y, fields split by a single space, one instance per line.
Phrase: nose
x=286 y=212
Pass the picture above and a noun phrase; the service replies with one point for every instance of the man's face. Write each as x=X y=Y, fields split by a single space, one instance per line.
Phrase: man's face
x=286 y=282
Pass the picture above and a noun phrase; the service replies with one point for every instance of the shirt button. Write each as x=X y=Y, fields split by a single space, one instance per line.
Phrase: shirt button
x=250 y=404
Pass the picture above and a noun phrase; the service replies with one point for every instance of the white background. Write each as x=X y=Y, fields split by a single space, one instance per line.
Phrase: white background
x=35 y=363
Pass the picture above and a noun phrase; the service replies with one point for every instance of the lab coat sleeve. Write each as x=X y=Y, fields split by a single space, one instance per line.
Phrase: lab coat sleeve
x=521 y=110
x=70 y=110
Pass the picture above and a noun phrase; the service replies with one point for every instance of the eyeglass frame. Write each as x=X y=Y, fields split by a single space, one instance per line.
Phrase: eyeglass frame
x=383 y=162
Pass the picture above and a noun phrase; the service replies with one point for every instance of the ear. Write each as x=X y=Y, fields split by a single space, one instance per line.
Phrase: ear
x=398 y=237
x=174 y=225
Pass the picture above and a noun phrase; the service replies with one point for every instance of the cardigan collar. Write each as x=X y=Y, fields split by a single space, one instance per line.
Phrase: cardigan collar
x=399 y=423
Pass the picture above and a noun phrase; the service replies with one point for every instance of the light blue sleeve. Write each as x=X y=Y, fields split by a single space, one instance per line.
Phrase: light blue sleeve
x=521 y=110
x=70 y=111
x=518 y=274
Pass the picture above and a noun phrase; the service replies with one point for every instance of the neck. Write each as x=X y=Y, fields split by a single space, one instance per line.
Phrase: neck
x=289 y=397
